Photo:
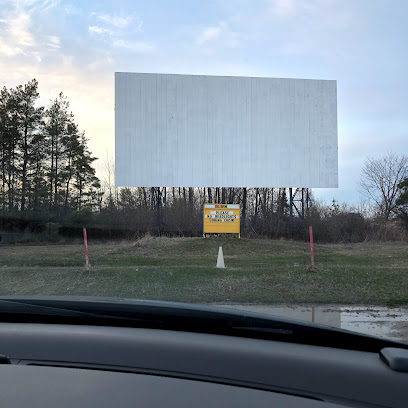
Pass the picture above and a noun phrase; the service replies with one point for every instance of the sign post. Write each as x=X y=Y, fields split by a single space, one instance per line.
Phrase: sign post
x=221 y=219
x=86 y=250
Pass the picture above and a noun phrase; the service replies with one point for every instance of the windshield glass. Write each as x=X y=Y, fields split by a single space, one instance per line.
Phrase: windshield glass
x=244 y=154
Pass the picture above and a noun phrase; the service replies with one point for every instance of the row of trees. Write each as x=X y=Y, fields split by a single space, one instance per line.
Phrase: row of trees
x=266 y=211
x=47 y=176
x=46 y=166
x=178 y=211
x=133 y=212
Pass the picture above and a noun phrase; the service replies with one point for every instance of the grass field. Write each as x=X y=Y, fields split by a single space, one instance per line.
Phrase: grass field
x=183 y=269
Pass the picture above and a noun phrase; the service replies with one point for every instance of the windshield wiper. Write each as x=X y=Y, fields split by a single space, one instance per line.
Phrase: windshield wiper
x=182 y=317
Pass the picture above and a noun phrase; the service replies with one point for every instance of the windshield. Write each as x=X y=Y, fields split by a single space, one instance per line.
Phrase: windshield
x=250 y=155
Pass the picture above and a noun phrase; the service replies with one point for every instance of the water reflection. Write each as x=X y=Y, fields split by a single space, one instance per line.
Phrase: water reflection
x=376 y=321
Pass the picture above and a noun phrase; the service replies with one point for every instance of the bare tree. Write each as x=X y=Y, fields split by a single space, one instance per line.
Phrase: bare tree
x=109 y=171
x=379 y=181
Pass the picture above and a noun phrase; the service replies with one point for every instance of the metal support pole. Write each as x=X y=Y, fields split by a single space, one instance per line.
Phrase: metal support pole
x=307 y=202
x=158 y=203
x=291 y=212
x=152 y=197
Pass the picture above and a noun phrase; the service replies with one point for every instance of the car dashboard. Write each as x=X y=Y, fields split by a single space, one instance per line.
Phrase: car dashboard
x=65 y=365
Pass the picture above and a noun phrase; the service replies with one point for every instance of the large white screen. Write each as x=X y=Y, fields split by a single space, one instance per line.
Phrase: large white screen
x=209 y=131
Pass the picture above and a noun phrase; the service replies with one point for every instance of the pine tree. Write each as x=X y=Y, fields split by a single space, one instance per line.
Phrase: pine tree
x=85 y=180
x=4 y=126
x=28 y=119
x=8 y=144
x=58 y=122
x=39 y=187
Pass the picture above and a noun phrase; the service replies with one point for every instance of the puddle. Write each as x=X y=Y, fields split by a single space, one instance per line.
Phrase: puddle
x=375 y=321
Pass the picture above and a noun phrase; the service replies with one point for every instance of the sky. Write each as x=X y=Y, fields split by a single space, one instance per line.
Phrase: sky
x=76 y=46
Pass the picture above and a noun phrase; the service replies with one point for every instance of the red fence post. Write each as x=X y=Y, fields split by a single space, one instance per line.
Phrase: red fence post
x=86 y=250
x=311 y=247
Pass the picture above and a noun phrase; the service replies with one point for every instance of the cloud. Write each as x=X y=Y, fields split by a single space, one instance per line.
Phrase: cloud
x=210 y=33
x=32 y=6
x=9 y=51
x=116 y=31
x=100 y=30
x=137 y=46
x=220 y=34
x=17 y=31
x=15 y=37
x=119 y=22
x=53 y=41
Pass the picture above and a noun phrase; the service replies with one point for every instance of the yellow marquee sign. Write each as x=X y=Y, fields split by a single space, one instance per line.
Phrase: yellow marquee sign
x=221 y=219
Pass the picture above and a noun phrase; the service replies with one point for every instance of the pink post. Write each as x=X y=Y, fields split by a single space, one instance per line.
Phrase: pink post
x=311 y=246
x=86 y=250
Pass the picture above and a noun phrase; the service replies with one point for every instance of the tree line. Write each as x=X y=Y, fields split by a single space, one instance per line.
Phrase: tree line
x=179 y=211
x=46 y=166
x=266 y=211
x=49 y=187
